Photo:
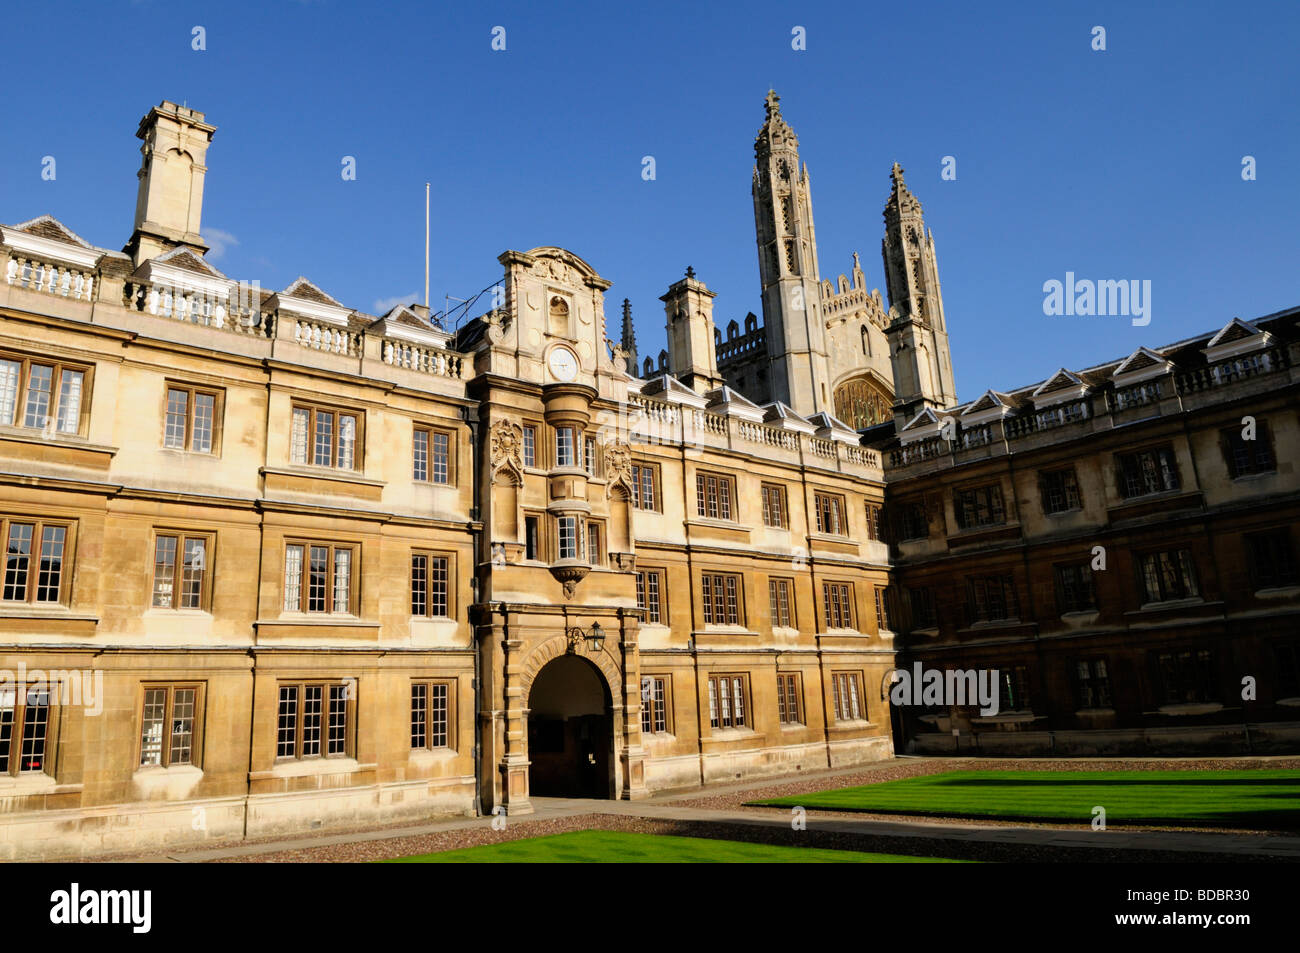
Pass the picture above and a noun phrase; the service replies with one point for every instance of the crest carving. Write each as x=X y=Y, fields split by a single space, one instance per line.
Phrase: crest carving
x=618 y=465
x=507 y=439
x=553 y=269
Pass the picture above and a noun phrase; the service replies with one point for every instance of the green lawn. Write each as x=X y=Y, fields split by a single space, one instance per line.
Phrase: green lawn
x=609 y=847
x=1261 y=800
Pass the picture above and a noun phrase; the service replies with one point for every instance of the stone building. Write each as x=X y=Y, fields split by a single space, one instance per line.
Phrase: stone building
x=275 y=564
x=1119 y=543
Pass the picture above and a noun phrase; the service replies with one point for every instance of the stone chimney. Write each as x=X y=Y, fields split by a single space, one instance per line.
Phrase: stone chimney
x=169 y=204
x=692 y=357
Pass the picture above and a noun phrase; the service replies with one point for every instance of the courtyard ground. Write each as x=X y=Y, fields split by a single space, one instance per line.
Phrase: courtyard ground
x=1249 y=800
x=720 y=812
x=610 y=847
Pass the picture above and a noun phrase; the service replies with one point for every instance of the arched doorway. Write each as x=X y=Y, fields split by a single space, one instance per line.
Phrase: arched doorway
x=570 y=738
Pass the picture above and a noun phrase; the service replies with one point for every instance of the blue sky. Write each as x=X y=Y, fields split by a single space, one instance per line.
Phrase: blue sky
x=1123 y=164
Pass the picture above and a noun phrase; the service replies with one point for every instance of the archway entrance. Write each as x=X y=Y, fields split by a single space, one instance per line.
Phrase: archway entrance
x=570 y=739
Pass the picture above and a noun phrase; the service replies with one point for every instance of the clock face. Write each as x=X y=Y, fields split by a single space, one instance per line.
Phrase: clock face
x=563 y=364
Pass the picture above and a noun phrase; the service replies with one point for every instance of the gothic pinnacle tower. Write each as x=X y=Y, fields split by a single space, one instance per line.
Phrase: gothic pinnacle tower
x=787 y=264
x=628 y=342
x=917 y=332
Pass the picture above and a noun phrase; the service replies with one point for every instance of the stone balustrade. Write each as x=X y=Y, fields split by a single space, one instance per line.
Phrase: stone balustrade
x=769 y=436
x=1048 y=418
x=661 y=422
x=427 y=360
x=1231 y=371
x=320 y=336
x=919 y=452
x=237 y=311
x=49 y=277
x=1136 y=395
x=823 y=448
x=1191 y=383
x=980 y=435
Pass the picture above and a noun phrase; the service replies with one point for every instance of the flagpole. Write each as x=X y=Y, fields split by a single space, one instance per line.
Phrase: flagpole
x=426 y=246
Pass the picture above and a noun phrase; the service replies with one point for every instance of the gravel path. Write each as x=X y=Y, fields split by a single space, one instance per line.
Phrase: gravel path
x=364 y=851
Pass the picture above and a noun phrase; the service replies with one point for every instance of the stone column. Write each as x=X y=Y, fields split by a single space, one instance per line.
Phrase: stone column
x=514 y=762
x=632 y=755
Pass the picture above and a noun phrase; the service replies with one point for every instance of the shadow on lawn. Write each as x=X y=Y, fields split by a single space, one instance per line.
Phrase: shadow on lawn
x=959 y=781
x=1244 y=803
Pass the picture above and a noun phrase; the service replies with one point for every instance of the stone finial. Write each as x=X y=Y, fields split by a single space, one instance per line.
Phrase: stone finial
x=772 y=104
x=690 y=272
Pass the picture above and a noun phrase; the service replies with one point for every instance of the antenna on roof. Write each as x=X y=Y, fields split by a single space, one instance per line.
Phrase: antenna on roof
x=426 y=246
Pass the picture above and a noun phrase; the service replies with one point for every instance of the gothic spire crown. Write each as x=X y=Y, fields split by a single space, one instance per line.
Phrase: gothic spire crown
x=775 y=131
x=901 y=200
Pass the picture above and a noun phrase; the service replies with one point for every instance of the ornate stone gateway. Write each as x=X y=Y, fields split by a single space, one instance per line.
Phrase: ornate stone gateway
x=570 y=731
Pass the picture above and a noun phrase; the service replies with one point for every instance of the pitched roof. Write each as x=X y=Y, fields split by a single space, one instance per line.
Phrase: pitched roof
x=1234 y=330
x=668 y=388
x=401 y=314
x=1139 y=360
x=302 y=288
x=47 y=226
x=1059 y=381
x=926 y=417
x=190 y=260
x=733 y=402
x=988 y=401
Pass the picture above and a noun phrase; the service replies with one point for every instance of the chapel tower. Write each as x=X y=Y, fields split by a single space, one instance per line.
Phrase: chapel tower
x=787 y=263
x=917 y=332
